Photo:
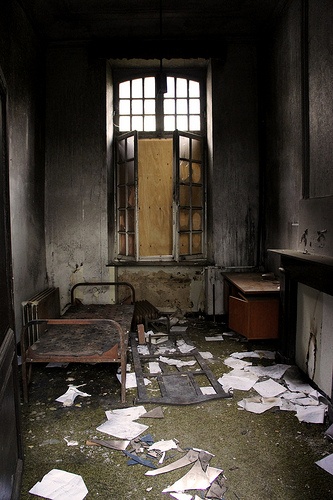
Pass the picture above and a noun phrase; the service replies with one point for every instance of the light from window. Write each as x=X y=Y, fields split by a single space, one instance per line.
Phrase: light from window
x=180 y=105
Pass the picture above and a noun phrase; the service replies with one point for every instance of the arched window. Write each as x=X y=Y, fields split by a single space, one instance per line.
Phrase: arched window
x=159 y=185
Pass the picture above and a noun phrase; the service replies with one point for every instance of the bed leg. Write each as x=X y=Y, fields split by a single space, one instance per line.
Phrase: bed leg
x=25 y=382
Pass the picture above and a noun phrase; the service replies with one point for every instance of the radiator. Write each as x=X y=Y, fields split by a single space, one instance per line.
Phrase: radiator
x=45 y=304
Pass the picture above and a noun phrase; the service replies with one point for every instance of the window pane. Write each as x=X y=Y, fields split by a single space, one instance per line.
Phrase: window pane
x=149 y=86
x=169 y=106
x=122 y=196
x=130 y=221
x=196 y=149
x=184 y=171
x=149 y=123
x=121 y=151
x=196 y=173
x=124 y=123
x=182 y=122
x=196 y=243
x=196 y=196
x=170 y=87
x=130 y=148
x=169 y=123
x=184 y=196
x=124 y=90
x=137 y=123
x=131 y=196
x=131 y=246
x=194 y=89
x=181 y=87
x=149 y=105
x=122 y=244
x=124 y=106
x=195 y=122
x=184 y=147
x=196 y=220
x=182 y=106
x=195 y=106
x=137 y=88
x=137 y=107
x=184 y=220
x=184 y=244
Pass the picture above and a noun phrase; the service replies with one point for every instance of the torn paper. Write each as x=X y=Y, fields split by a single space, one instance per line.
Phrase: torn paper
x=72 y=392
x=195 y=479
x=60 y=485
x=238 y=379
x=326 y=463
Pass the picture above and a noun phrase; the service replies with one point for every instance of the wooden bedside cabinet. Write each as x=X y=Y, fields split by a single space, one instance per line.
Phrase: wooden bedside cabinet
x=252 y=305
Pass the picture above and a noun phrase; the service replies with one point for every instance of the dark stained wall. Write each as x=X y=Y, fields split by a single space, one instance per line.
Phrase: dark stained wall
x=298 y=129
x=22 y=68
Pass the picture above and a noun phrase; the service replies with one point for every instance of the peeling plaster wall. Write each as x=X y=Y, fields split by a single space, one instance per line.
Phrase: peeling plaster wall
x=174 y=287
x=22 y=71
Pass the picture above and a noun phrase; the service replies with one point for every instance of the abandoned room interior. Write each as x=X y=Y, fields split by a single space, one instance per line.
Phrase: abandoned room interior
x=166 y=202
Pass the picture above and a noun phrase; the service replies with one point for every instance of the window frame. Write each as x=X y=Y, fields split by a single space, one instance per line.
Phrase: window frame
x=177 y=257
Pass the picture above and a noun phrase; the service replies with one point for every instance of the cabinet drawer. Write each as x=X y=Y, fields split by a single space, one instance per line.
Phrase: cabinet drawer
x=254 y=317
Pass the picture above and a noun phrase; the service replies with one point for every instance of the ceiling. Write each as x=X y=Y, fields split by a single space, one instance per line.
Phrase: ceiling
x=148 y=22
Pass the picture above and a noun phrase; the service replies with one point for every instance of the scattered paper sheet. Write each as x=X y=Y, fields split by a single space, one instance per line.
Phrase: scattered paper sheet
x=206 y=354
x=207 y=390
x=215 y=337
x=326 y=463
x=295 y=382
x=131 y=380
x=164 y=445
x=60 y=485
x=236 y=363
x=190 y=457
x=183 y=347
x=195 y=479
x=237 y=379
x=120 y=423
x=176 y=362
x=269 y=388
x=254 y=354
x=311 y=414
x=68 y=398
x=258 y=404
x=154 y=367
x=273 y=371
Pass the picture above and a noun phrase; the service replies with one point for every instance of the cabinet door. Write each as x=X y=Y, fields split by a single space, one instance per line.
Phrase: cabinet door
x=239 y=315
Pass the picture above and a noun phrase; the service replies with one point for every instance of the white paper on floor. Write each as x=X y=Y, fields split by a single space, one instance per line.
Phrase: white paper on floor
x=72 y=392
x=183 y=347
x=254 y=354
x=154 y=367
x=274 y=371
x=131 y=380
x=195 y=479
x=120 y=423
x=206 y=354
x=237 y=379
x=311 y=414
x=258 y=404
x=236 y=363
x=269 y=388
x=208 y=390
x=215 y=337
x=60 y=485
x=176 y=362
x=326 y=463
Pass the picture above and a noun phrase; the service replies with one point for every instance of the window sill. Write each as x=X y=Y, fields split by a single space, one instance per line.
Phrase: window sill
x=167 y=263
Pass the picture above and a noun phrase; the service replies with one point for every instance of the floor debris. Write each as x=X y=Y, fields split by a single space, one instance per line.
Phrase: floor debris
x=60 y=485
